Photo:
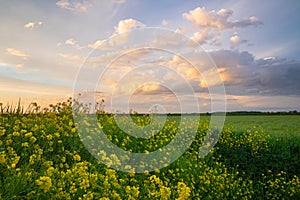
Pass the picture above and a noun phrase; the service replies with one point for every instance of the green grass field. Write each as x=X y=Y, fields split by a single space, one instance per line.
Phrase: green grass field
x=42 y=157
x=275 y=125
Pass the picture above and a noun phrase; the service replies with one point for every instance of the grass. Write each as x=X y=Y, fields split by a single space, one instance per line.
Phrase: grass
x=42 y=157
x=275 y=125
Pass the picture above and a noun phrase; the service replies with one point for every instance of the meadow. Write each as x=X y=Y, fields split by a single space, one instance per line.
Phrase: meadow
x=43 y=157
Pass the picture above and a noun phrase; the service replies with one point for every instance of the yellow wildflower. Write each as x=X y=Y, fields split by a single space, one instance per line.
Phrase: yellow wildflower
x=44 y=182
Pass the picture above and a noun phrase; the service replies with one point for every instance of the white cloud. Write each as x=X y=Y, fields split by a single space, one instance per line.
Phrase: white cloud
x=32 y=25
x=96 y=44
x=201 y=36
x=235 y=41
x=127 y=25
x=70 y=41
x=212 y=22
x=74 y=5
x=29 y=25
x=217 y=20
x=16 y=52
x=122 y=27
x=201 y=18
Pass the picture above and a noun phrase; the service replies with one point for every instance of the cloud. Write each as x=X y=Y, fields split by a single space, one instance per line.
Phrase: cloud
x=181 y=30
x=96 y=44
x=165 y=23
x=241 y=73
x=198 y=71
x=246 y=75
x=16 y=52
x=245 y=22
x=12 y=89
x=150 y=89
x=201 y=18
x=170 y=76
x=19 y=65
x=217 y=20
x=202 y=37
x=122 y=27
x=183 y=67
x=70 y=41
x=212 y=21
x=71 y=57
x=74 y=5
x=235 y=41
x=127 y=25
x=265 y=103
x=32 y=25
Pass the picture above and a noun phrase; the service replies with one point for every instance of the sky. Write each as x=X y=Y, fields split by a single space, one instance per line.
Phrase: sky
x=144 y=54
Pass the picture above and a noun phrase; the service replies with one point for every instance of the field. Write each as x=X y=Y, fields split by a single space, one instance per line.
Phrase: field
x=43 y=157
x=275 y=125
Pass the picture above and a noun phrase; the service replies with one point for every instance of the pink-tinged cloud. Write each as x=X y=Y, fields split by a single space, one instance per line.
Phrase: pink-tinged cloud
x=218 y=20
x=127 y=25
x=16 y=52
x=210 y=22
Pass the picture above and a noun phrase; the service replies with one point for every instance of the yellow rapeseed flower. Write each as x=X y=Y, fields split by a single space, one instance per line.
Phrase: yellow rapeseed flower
x=44 y=182
x=27 y=135
x=2 y=158
x=25 y=144
x=183 y=191
x=77 y=157
x=16 y=134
